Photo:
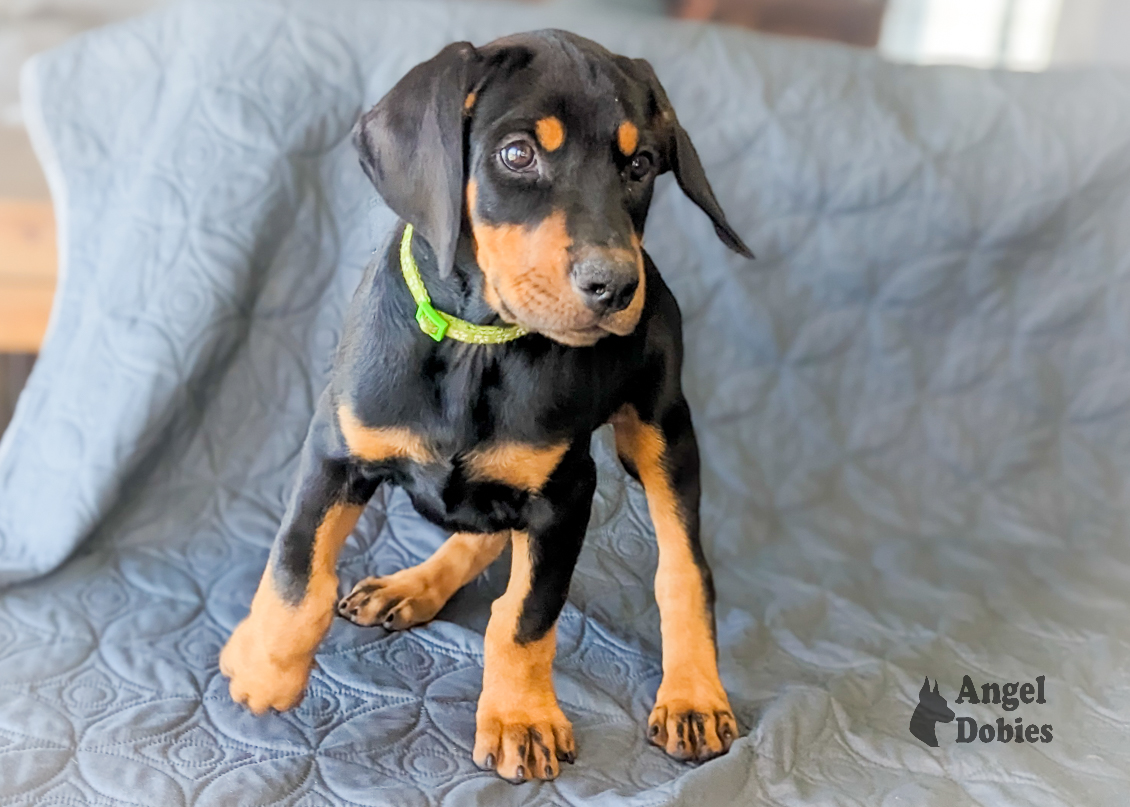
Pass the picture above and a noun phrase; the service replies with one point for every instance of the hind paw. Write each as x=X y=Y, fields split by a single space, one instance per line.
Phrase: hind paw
x=396 y=602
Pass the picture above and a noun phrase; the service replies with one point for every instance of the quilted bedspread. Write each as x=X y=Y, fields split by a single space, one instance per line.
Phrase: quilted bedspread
x=913 y=408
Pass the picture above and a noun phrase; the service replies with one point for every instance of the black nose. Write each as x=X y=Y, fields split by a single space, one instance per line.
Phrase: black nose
x=605 y=283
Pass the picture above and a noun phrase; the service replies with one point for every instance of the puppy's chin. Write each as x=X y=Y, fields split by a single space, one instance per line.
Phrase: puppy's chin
x=585 y=337
x=621 y=324
x=618 y=325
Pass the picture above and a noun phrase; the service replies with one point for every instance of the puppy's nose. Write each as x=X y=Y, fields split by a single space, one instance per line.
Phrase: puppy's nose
x=606 y=282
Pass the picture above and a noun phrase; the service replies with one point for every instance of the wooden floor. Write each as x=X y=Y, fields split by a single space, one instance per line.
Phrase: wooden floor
x=27 y=285
x=28 y=264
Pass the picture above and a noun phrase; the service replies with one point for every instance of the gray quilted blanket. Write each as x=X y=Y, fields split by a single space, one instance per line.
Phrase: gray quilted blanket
x=914 y=411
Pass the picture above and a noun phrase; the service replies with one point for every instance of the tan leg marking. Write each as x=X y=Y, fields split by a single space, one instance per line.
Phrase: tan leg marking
x=627 y=138
x=521 y=732
x=415 y=595
x=692 y=718
x=469 y=101
x=376 y=444
x=269 y=655
x=520 y=465
x=550 y=132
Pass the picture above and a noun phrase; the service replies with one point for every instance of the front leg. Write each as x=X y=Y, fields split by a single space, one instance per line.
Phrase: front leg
x=521 y=731
x=270 y=653
x=692 y=719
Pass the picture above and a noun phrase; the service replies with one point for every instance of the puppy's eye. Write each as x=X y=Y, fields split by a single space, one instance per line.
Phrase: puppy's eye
x=641 y=166
x=518 y=155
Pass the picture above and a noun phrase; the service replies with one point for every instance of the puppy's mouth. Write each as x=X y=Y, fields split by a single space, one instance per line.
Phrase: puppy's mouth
x=621 y=323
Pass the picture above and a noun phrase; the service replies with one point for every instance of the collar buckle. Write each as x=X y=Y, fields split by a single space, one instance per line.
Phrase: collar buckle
x=431 y=321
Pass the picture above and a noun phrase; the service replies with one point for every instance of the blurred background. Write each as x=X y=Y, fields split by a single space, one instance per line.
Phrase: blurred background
x=987 y=34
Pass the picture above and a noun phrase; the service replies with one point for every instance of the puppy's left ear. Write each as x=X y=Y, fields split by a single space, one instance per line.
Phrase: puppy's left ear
x=411 y=146
x=682 y=158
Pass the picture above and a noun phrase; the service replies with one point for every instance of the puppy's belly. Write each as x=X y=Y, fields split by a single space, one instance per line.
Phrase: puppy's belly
x=461 y=506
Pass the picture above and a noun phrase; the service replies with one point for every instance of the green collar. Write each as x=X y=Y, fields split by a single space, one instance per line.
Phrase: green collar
x=437 y=324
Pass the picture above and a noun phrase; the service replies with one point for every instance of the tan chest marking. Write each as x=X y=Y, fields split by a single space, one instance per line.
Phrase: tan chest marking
x=520 y=465
x=383 y=443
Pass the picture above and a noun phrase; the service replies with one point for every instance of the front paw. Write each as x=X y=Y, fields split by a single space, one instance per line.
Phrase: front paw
x=690 y=724
x=523 y=743
x=259 y=679
x=396 y=602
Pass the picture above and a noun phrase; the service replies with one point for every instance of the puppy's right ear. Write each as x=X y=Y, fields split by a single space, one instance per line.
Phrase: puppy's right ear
x=680 y=156
x=411 y=145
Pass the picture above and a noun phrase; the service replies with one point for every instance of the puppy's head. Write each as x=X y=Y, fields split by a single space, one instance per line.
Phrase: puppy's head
x=542 y=149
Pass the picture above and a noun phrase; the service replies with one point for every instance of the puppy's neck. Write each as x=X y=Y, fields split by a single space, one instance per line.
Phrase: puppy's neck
x=461 y=292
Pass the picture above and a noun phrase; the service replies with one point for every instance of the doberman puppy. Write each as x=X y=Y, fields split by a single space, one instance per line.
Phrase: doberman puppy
x=513 y=313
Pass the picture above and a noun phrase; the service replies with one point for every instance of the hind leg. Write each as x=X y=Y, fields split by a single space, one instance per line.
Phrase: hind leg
x=415 y=595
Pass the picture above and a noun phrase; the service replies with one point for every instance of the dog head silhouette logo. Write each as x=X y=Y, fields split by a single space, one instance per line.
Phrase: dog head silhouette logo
x=932 y=708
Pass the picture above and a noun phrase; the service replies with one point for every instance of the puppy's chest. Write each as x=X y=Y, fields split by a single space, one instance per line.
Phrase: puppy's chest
x=488 y=412
x=485 y=488
x=491 y=453
x=473 y=438
x=498 y=440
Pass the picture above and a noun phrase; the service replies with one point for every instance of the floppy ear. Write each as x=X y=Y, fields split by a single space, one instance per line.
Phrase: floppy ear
x=682 y=158
x=411 y=146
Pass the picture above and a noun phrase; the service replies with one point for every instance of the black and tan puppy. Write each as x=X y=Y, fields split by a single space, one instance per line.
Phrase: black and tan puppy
x=523 y=171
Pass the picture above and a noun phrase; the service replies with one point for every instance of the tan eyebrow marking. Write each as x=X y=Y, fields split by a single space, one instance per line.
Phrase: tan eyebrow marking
x=550 y=132
x=627 y=138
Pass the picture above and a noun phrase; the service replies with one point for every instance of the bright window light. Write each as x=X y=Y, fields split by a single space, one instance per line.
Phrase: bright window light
x=1015 y=34
x=1032 y=34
